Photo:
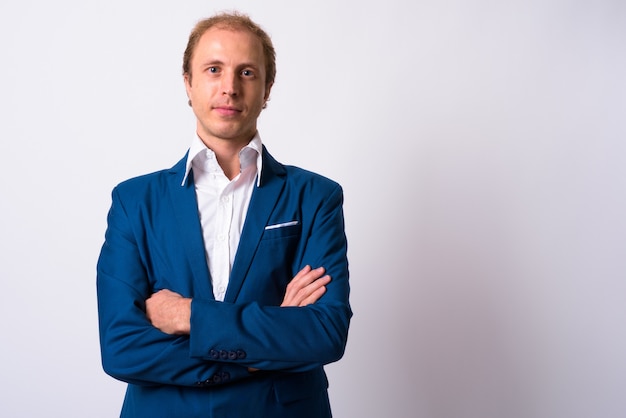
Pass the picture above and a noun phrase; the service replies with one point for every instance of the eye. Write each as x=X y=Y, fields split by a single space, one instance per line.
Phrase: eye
x=247 y=73
x=213 y=70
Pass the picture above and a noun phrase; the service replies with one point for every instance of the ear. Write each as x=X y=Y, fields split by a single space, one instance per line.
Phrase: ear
x=187 y=80
x=268 y=89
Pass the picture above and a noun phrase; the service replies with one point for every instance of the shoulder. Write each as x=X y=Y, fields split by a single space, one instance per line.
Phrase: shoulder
x=306 y=178
x=298 y=177
x=311 y=190
x=142 y=181
x=156 y=181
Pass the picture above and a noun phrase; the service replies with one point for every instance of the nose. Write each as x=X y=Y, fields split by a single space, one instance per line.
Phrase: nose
x=230 y=84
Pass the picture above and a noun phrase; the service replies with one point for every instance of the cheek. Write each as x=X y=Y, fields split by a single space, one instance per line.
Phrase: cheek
x=202 y=87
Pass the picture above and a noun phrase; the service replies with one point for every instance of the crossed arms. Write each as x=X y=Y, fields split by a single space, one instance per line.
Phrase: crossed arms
x=171 y=313
x=151 y=337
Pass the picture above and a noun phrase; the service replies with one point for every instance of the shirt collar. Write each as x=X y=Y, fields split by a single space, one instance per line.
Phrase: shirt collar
x=246 y=155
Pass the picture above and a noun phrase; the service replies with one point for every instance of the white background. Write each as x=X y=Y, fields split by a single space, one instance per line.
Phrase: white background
x=481 y=146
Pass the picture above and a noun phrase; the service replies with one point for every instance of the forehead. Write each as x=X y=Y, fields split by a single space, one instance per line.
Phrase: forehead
x=229 y=45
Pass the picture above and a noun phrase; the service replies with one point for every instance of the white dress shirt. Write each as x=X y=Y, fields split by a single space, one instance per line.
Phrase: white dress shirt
x=222 y=204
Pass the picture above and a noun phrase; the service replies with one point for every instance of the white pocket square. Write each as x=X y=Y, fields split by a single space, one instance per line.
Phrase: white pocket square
x=284 y=224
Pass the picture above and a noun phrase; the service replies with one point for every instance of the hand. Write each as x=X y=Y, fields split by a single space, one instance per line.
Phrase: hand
x=169 y=312
x=306 y=287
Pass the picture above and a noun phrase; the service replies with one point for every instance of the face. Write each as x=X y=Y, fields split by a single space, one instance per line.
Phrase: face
x=227 y=86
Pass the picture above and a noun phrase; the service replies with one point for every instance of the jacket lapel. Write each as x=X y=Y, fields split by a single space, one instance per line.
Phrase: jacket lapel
x=261 y=205
x=185 y=206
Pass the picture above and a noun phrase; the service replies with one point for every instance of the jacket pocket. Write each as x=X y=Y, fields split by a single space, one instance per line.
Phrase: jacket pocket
x=278 y=231
x=292 y=387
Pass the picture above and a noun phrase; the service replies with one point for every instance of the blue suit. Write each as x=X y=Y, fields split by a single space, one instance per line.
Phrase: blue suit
x=154 y=241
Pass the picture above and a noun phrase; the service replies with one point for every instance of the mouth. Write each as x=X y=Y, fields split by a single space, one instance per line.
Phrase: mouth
x=225 y=110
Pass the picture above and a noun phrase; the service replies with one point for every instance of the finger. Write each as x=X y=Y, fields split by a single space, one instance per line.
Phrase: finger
x=307 y=277
x=302 y=272
x=313 y=297
x=311 y=287
x=297 y=295
x=308 y=274
x=297 y=289
x=304 y=277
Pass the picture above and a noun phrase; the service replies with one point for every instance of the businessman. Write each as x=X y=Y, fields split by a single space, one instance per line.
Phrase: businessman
x=223 y=281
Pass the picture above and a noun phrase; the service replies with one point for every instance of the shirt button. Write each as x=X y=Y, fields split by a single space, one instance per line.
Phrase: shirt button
x=221 y=237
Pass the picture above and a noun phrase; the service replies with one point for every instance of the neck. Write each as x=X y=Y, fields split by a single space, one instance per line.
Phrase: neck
x=227 y=154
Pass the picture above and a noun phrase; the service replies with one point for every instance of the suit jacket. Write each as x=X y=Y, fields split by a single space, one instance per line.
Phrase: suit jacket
x=154 y=241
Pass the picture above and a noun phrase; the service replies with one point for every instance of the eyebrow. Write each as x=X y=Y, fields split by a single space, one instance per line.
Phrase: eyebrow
x=212 y=62
x=219 y=62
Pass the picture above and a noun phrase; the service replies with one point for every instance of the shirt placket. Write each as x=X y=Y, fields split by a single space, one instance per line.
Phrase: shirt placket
x=222 y=241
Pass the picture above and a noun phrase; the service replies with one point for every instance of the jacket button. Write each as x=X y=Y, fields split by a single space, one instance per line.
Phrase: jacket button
x=232 y=355
x=223 y=354
x=241 y=354
x=214 y=354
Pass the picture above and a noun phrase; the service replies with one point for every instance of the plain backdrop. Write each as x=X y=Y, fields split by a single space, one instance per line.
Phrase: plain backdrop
x=481 y=147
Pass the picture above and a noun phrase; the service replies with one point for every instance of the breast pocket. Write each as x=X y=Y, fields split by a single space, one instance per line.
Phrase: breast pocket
x=273 y=265
x=282 y=230
x=278 y=248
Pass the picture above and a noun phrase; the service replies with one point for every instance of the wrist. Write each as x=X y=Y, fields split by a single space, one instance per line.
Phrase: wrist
x=184 y=317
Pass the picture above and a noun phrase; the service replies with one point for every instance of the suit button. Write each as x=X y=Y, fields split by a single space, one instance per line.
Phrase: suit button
x=217 y=378
x=214 y=354
x=223 y=354
x=225 y=376
x=241 y=354
x=232 y=355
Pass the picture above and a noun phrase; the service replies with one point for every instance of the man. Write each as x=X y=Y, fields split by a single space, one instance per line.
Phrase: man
x=208 y=304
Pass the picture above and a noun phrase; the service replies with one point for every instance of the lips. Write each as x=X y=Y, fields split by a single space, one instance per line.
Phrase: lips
x=227 y=110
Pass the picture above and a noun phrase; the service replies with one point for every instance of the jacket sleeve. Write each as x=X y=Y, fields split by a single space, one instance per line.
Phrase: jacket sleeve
x=132 y=349
x=294 y=338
